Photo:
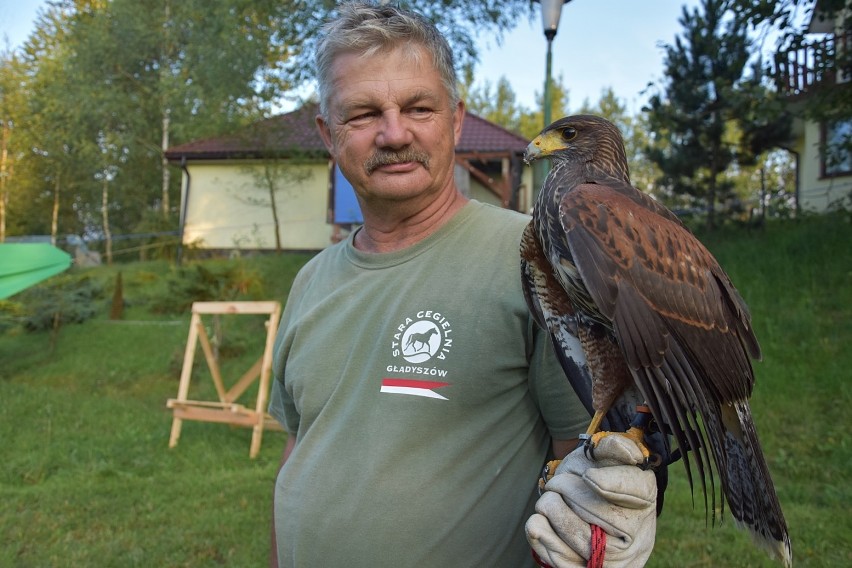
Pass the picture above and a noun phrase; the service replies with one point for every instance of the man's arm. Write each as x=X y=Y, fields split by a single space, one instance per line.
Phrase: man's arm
x=273 y=551
x=562 y=448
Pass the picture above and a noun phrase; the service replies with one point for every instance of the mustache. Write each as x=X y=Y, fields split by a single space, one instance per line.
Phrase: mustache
x=388 y=157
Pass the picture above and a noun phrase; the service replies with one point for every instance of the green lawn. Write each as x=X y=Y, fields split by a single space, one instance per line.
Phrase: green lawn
x=87 y=478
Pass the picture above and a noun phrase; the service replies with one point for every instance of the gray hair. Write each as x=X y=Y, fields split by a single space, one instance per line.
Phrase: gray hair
x=368 y=29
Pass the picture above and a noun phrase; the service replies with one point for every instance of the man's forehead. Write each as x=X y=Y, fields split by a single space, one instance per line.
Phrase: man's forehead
x=357 y=80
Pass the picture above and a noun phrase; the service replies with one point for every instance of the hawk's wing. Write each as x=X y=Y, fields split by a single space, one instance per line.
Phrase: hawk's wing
x=674 y=312
x=657 y=283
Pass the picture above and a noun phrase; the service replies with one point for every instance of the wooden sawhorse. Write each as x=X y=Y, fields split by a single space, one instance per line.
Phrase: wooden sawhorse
x=226 y=410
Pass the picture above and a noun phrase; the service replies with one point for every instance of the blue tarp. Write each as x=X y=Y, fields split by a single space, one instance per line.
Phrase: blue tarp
x=346 y=208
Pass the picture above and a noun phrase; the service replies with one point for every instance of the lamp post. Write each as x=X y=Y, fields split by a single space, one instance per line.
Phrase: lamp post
x=551 y=10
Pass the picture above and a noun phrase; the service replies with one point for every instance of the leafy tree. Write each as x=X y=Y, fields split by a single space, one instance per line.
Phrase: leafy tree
x=11 y=106
x=704 y=103
x=533 y=121
x=51 y=129
x=496 y=103
x=109 y=86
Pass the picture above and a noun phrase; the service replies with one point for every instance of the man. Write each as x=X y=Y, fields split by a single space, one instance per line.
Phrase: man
x=420 y=399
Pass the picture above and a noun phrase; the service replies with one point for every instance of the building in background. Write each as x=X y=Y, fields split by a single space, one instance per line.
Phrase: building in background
x=817 y=68
x=235 y=187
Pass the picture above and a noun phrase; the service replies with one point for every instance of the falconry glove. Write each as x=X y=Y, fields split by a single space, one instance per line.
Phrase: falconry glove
x=609 y=491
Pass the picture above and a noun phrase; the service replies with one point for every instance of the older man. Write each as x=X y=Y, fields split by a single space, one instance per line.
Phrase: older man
x=420 y=399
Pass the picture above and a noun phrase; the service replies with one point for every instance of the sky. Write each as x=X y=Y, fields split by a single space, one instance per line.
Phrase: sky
x=599 y=44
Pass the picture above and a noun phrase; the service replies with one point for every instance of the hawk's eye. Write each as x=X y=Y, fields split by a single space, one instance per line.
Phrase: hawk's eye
x=569 y=134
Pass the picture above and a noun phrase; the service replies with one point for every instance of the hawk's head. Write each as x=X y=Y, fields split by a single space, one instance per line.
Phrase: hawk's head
x=583 y=140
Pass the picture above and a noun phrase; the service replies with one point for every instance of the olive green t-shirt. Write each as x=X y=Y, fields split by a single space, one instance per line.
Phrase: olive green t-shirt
x=422 y=397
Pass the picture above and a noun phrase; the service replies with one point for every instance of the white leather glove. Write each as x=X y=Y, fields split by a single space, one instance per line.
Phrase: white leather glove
x=610 y=492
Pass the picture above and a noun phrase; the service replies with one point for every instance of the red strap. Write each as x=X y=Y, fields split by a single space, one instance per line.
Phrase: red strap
x=539 y=561
x=596 y=558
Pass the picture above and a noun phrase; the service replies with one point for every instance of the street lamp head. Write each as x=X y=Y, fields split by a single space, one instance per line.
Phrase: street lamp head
x=551 y=10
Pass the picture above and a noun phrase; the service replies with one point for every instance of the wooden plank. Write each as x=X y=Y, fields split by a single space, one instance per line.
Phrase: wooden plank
x=244 y=382
x=185 y=374
x=203 y=411
x=265 y=373
x=235 y=307
x=212 y=364
x=219 y=415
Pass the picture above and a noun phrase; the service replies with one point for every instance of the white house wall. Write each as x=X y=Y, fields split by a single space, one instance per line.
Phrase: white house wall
x=817 y=194
x=229 y=209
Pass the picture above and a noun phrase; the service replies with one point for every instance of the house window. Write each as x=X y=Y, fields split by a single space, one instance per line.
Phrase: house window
x=837 y=150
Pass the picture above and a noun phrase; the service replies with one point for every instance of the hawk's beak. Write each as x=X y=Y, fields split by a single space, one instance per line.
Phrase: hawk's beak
x=543 y=146
x=533 y=151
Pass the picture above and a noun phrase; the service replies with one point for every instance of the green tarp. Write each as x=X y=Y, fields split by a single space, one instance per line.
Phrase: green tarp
x=25 y=264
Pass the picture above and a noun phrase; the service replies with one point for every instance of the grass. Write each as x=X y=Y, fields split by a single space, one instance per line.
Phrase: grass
x=86 y=478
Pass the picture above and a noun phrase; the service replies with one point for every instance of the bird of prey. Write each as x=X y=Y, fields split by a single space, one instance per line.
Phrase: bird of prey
x=657 y=318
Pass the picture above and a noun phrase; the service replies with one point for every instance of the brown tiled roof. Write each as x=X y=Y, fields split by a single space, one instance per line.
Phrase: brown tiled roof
x=295 y=134
x=479 y=135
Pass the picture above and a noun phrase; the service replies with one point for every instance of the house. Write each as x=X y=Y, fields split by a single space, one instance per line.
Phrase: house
x=823 y=148
x=235 y=187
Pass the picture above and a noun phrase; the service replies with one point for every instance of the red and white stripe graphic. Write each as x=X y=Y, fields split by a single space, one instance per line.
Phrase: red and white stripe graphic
x=413 y=387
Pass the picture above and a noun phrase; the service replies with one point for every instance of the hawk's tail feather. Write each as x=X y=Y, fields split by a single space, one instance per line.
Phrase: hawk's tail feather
x=684 y=426
x=748 y=485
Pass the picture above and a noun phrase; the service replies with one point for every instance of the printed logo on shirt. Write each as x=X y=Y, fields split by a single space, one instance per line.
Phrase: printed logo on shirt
x=420 y=343
x=424 y=337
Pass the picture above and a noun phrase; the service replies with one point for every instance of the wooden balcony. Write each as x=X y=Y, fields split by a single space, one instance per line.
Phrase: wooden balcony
x=801 y=70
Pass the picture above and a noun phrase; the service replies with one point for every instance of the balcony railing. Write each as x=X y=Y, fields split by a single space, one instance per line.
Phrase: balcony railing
x=813 y=65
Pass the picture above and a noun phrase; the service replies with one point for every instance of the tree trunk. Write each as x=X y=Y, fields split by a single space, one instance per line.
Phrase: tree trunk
x=4 y=168
x=105 y=217
x=270 y=184
x=166 y=119
x=164 y=163
x=54 y=220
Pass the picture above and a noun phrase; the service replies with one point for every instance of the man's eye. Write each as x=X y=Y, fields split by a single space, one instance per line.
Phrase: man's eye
x=361 y=117
x=420 y=111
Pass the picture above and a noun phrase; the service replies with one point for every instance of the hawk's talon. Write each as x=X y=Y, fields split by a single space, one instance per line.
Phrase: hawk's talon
x=652 y=462
x=547 y=473
x=589 y=448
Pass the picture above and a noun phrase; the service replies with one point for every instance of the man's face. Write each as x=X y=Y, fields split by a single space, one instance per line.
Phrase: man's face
x=391 y=128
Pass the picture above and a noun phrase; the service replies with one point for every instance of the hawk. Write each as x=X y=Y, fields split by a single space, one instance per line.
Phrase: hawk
x=658 y=320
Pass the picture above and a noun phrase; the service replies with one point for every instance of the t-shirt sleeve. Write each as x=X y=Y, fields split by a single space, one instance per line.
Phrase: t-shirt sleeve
x=563 y=413
x=282 y=408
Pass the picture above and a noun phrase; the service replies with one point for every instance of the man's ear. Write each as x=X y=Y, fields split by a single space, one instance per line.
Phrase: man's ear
x=325 y=133
x=458 y=120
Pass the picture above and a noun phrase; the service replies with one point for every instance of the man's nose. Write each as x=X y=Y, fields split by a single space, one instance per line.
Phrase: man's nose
x=394 y=132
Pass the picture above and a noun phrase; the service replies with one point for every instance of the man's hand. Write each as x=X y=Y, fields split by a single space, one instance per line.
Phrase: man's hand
x=610 y=492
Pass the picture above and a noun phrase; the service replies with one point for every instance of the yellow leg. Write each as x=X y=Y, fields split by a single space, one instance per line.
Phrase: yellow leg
x=595 y=424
